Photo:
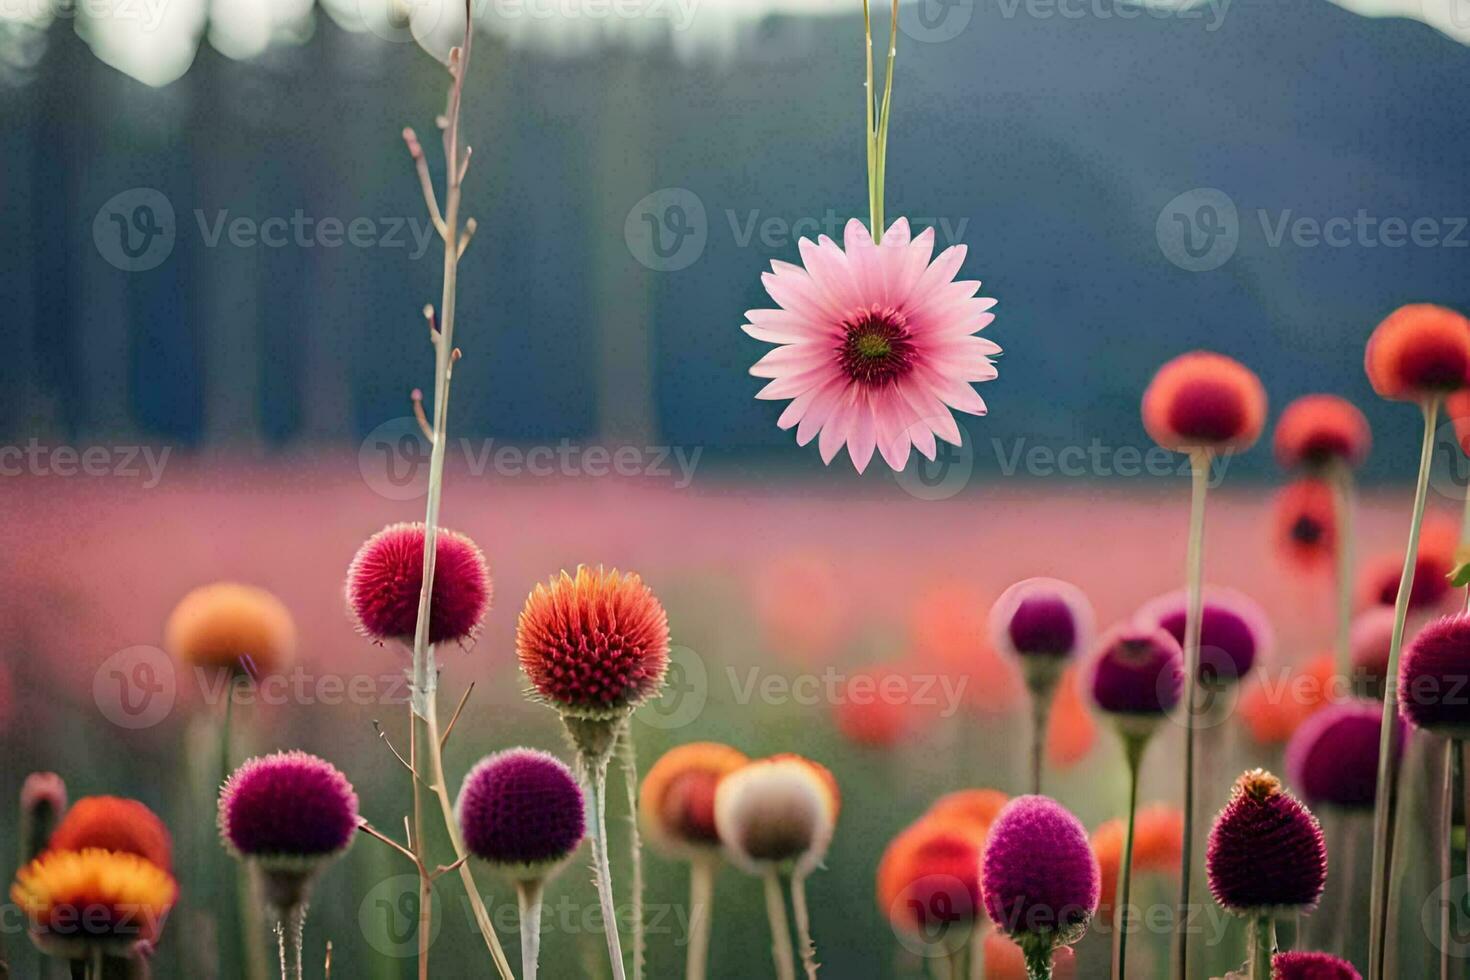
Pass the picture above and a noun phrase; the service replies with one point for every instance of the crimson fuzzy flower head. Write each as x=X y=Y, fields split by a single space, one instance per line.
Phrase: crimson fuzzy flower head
x=1266 y=854
x=1302 y=965
x=1041 y=879
x=1420 y=351
x=522 y=811
x=1204 y=401
x=387 y=575
x=1306 y=524
x=1042 y=617
x=289 y=814
x=1316 y=431
x=1234 y=631
x=1434 y=678
x=115 y=824
x=677 y=804
x=1333 y=757
x=1137 y=671
x=596 y=645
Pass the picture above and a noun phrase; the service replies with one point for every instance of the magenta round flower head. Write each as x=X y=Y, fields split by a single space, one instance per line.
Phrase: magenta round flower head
x=1332 y=758
x=1301 y=965
x=1039 y=877
x=1137 y=674
x=1042 y=617
x=1234 y=632
x=288 y=814
x=1434 y=678
x=1266 y=854
x=522 y=811
x=875 y=344
x=387 y=574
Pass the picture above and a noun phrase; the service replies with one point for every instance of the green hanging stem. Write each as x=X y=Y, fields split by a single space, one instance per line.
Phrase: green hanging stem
x=877 y=129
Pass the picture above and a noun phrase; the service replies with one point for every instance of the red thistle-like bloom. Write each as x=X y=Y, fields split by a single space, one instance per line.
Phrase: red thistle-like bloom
x=115 y=824
x=677 y=804
x=387 y=574
x=1306 y=523
x=1301 y=965
x=1318 y=430
x=1040 y=876
x=523 y=811
x=1434 y=678
x=929 y=879
x=1420 y=351
x=1333 y=757
x=1266 y=851
x=594 y=646
x=1203 y=400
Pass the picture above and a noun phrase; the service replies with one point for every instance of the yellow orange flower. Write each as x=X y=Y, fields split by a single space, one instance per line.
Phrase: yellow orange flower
x=677 y=804
x=238 y=627
x=78 y=900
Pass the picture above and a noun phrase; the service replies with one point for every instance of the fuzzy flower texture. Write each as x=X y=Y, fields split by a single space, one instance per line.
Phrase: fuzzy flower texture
x=521 y=810
x=1266 y=850
x=290 y=807
x=876 y=344
x=387 y=574
x=1040 y=876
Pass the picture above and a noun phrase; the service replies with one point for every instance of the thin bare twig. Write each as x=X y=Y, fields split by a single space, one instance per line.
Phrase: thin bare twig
x=455 y=717
x=417 y=397
x=384 y=736
x=422 y=166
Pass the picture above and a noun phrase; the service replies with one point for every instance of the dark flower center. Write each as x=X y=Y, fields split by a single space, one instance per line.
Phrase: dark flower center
x=876 y=348
x=1306 y=530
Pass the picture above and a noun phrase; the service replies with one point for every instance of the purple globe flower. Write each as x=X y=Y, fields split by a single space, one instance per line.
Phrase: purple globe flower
x=1234 y=632
x=522 y=810
x=1299 y=965
x=1266 y=852
x=1137 y=671
x=1042 y=617
x=1434 y=678
x=1040 y=878
x=289 y=814
x=1333 y=757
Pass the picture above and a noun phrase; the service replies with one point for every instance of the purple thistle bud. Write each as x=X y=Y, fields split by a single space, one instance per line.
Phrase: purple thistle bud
x=521 y=809
x=1434 y=678
x=1298 y=965
x=1234 y=631
x=1137 y=671
x=1332 y=758
x=289 y=813
x=1040 y=878
x=1266 y=851
x=1042 y=617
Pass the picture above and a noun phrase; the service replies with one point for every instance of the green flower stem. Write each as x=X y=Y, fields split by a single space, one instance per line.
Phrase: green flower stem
x=1447 y=857
x=1261 y=936
x=701 y=912
x=1133 y=748
x=529 y=895
x=1341 y=480
x=1199 y=464
x=628 y=756
x=780 y=928
x=1383 y=808
x=877 y=131
x=594 y=776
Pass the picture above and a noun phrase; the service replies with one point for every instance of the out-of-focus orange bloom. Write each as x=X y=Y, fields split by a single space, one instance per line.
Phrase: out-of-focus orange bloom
x=975 y=807
x=677 y=804
x=1306 y=524
x=876 y=709
x=801 y=607
x=929 y=877
x=1158 y=845
x=1005 y=961
x=1419 y=351
x=1071 y=729
x=1274 y=707
x=237 y=627
x=1379 y=584
x=1204 y=400
x=948 y=631
x=1457 y=407
x=114 y=824
x=1317 y=430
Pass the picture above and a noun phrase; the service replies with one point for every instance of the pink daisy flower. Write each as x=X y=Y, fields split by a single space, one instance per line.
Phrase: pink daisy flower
x=876 y=344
